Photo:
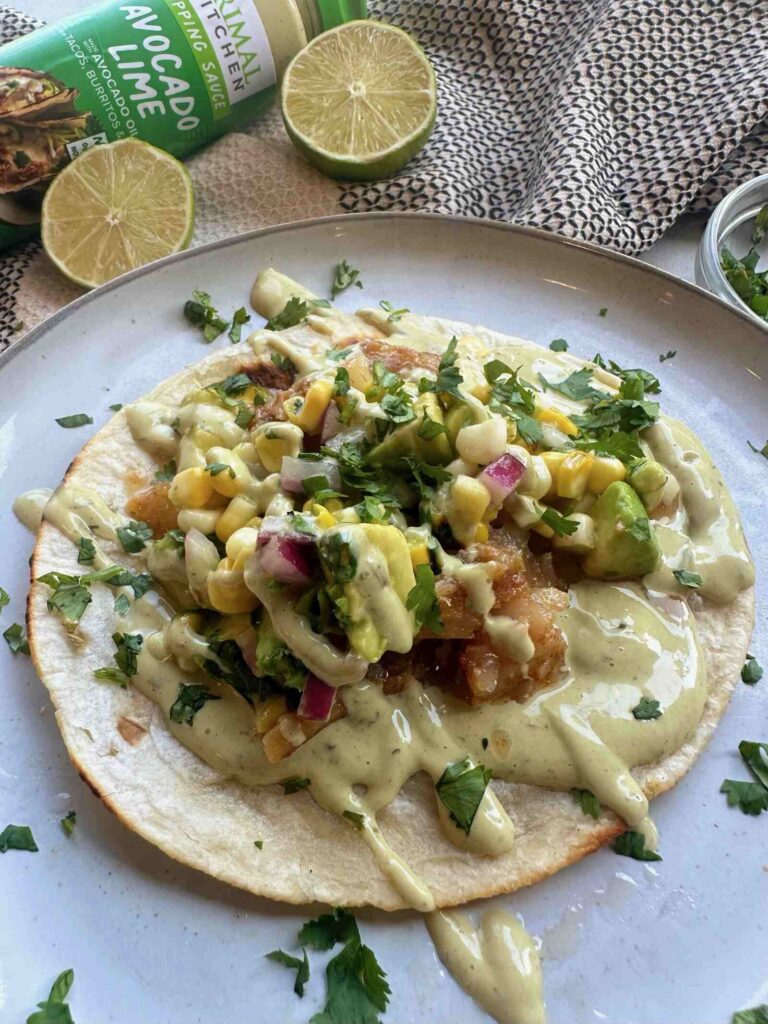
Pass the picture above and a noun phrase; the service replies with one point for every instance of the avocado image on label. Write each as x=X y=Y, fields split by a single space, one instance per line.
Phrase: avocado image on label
x=625 y=544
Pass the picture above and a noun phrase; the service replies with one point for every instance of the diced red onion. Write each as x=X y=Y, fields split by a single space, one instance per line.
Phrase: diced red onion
x=331 y=422
x=285 y=561
x=293 y=473
x=316 y=700
x=502 y=476
x=280 y=526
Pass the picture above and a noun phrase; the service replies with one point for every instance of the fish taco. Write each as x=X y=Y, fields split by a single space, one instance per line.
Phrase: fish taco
x=389 y=609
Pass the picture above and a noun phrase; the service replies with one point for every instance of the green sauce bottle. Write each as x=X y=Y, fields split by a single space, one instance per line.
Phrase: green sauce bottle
x=176 y=73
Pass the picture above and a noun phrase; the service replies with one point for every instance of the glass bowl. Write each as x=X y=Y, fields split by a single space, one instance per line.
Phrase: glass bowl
x=731 y=225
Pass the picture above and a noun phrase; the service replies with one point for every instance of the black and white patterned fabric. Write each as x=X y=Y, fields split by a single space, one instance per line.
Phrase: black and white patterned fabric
x=598 y=119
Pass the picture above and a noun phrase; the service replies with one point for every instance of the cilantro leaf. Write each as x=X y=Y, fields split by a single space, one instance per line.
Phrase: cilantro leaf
x=760 y=451
x=640 y=529
x=577 y=385
x=461 y=788
x=647 y=709
x=300 y=966
x=78 y=419
x=214 y=468
x=669 y=355
x=128 y=646
x=357 y=989
x=394 y=314
x=16 y=639
x=618 y=444
x=17 y=837
x=755 y=1015
x=4 y=598
x=429 y=428
x=111 y=675
x=651 y=383
x=422 y=600
x=189 y=700
x=398 y=408
x=559 y=345
x=168 y=472
x=294 y=312
x=341 y=382
x=751 y=673
x=358 y=820
x=325 y=931
x=632 y=844
x=200 y=313
x=116 y=407
x=755 y=756
x=54 y=1010
x=448 y=376
x=68 y=822
x=687 y=579
x=512 y=398
x=86 y=551
x=294 y=784
x=602 y=311
x=587 y=801
x=259 y=844
x=344 y=277
x=561 y=525
x=239 y=317
x=134 y=536
x=749 y=797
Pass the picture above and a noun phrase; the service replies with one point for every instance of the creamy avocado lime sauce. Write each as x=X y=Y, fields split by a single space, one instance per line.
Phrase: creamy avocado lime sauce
x=717 y=550
x=496 y=963
x=81 y=512
x=28 y=507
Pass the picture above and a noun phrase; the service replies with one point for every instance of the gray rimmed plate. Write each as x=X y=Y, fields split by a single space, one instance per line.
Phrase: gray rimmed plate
x=623 y=942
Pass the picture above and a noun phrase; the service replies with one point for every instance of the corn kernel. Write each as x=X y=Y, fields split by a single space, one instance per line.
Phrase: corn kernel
x=238 y=513
x=582 y=540
x=537 y=480
x=481 y=533
x=230 y=481
x=309 y=415
x=240 y=544
x=359 y=373
x=553 y=461
x=203 y=519
x=605 y=471
x=228 y=593
x=274 y=441
x=467 y=503
x=557 y=419
x=573 y=475
x=191 y=488
x=418 y=551
x=346 y=515
x=268 y=713
x=323 y=517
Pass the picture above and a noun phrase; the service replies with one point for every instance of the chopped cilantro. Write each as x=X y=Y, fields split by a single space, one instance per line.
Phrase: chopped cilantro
x=220 y=467
x=294 y=784
x=448 y=377
x=259 y=844
x=199 y=312
x=17 y=837
x=398 y=408
x=587 y=801
x=669 y=355
x=429 y=428
x=577 y=385
x=4 y=598
x=749 y=797
x=300 y=966
x=755 y=756
x=651 y=382
x=513 y=398
x=116 y=407
x=751 y=673
x=283 y=362
x=86 y=551
x=561 y=525
x=357 y=989
x=394 y=314
x=687 y=579
x=422 y=600
x=294 y=312
x=760 y=451
x=358 y=820
x=244 y=416
x=239 y=317
x=78 y=419
x=341 y=382
x=68 y=822
x=640 y=529
x=190 y=699
x=647 y=709
x=461 y=788
x=55 y=1010
x=755 y=1015
x=344 y=277
x=559 y=345
x=168 y=472
x=632 y=844
x=128 y=647
x=16 y=639
x=111 y=675
x=134 y=536
x=619 y=444
x=602 y=311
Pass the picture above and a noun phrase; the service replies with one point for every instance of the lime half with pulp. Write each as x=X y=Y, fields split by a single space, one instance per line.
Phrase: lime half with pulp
x=360 y=100
x=115 y=208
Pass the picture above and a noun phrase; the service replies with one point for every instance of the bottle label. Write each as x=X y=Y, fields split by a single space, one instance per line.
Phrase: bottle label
x=176 y=73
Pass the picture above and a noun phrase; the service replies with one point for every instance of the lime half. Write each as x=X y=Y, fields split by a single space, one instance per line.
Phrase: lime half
x=360 y=100
x=115 y=208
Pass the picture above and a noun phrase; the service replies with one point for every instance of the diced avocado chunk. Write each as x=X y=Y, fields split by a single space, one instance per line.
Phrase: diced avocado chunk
x=406 y=441
x=458 y=416
x=625 y=544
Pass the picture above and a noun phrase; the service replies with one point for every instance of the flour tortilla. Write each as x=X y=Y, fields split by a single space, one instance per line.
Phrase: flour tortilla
x=119 y=743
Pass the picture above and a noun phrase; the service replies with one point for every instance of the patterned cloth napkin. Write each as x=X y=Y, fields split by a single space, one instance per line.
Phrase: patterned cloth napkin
x=598 y=119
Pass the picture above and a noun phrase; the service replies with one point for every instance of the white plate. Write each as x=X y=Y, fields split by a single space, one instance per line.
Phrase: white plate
x=623 y=942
